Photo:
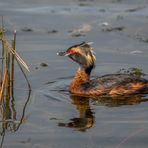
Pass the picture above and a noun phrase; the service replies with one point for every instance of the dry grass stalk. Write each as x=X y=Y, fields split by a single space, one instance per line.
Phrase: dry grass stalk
x=2 y=53
x=9 y=55
x=8 y=46
x=3 y=86
x=12 y=65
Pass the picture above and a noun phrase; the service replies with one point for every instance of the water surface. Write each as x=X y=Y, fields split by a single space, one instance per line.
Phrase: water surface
x=53 y=117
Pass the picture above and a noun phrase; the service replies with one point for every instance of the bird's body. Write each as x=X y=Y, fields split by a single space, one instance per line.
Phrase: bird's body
x=111 y=84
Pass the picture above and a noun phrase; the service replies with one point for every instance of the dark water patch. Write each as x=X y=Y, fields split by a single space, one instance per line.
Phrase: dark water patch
x=135 y=9
x=26 y=141
x=118 y=1
x=41 y=65
x=102 y=10
x=48 y=83
x=27 y=29
x=83 y=3
x=65 y=78
x=54 y=31
x=119 y=17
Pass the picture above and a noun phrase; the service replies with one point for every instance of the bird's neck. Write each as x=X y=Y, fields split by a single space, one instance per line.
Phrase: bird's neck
x=82 y=75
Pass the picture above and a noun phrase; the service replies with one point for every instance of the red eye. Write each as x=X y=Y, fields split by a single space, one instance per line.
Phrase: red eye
x=72 y=52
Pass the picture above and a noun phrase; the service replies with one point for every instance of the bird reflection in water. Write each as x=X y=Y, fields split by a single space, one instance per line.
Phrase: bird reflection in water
x=86 y=118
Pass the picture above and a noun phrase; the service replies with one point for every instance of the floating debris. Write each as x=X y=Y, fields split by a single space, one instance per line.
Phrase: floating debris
x=43 y=64
x=135 y=9
x=110 y=29
x=85 y=3
x=134 y=71
x=105 y=24
x=53 y=118
x=136 y=52
x=51 y=82
x=77 y=34
x=27 y=29
x=142 y=39
x=81 y=31
x=52 y=31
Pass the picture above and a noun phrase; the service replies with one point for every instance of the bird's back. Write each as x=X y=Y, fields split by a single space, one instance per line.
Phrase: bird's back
x=115 y=84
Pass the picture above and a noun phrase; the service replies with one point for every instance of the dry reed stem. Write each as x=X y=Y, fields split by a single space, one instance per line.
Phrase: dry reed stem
x=12 y=65
x=2 y=35
x=11 y=49
x=3 y=86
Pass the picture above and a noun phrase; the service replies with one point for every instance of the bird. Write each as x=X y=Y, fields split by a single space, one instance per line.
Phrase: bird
x=109 y=84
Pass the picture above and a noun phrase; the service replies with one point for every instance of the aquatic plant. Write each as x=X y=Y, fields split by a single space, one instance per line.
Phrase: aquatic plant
x=134 y=71
x=8 y=57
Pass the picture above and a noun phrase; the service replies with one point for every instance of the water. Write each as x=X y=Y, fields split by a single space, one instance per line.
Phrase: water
x=53 y=117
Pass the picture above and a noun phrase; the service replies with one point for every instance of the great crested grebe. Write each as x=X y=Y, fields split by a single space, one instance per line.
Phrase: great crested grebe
x=111 y=84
